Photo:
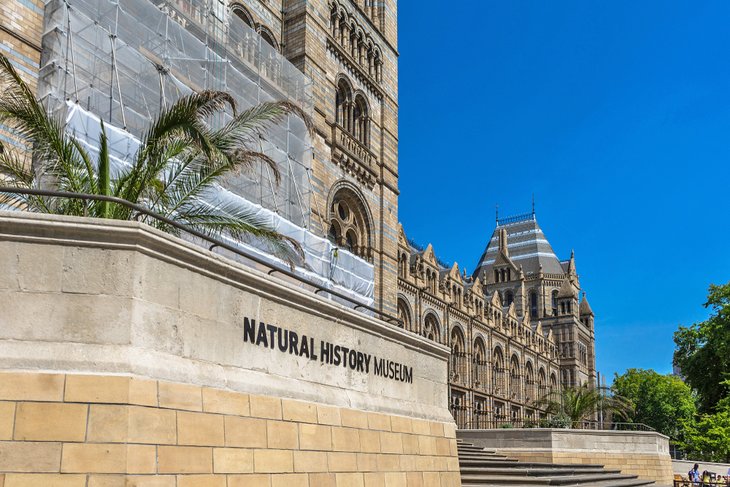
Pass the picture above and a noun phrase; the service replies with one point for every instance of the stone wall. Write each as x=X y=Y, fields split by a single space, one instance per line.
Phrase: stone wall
x=641 y=453
x=112 y=431
x=124 y=360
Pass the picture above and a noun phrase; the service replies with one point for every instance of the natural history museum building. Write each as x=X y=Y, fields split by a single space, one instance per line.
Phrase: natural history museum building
x=131 y=357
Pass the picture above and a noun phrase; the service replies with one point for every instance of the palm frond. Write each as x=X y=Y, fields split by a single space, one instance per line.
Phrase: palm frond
x=240 y=222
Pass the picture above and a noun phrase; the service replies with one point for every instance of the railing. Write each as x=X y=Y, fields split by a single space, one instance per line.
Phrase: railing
x=715 y=480
x=526 y=423
x=353 y=147
x=514 y=219
x=141 y=210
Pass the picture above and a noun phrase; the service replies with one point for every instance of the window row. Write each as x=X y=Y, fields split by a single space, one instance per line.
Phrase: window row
x=352 y=112
x=353 y=39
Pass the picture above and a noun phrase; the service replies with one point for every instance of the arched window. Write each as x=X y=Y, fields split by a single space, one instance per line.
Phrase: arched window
x=514 y=378
x=404 y=314
x=498 y=372
x=403 y=265
x=361 y=119
x=555 y=302
x=533 y=304
x=431 y=329
x=268 y=37
x=243 y=14
x=541 y=383
x=458 y=356
x=553 y=382
x=479 y=363
x=529 y=382
x=509 y=298
x=350 y=223
x=343 y=104
x=496 y=275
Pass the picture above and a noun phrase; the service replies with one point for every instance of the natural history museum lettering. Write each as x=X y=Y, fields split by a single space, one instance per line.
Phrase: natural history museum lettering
x=288 y=341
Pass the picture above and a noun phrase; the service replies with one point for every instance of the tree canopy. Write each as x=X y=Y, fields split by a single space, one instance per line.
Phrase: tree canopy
x=660 y=401
x=703 y=351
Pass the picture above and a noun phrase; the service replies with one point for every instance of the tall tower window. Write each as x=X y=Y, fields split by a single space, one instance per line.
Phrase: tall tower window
x=533 y=304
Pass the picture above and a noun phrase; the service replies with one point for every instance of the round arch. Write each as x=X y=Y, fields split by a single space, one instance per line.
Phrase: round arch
x=404 y=313
x=431 y=326
x=350 y=220
x=242 y=13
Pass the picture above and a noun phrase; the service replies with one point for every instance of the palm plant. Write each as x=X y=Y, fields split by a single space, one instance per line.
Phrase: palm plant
x=577 y=404
x=180 y=159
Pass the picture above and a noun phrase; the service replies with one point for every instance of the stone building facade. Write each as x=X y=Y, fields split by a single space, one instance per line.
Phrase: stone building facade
x=348 y=48
x=515 y=327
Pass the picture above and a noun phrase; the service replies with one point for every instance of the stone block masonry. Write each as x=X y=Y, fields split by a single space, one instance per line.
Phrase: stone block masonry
x=132 y=358
x=641 y=453
x=103 y=430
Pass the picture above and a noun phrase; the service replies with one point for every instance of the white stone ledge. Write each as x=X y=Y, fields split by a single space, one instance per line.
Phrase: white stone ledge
x=107 y=296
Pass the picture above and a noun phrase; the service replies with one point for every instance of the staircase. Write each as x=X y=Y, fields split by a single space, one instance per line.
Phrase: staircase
x=485 y=468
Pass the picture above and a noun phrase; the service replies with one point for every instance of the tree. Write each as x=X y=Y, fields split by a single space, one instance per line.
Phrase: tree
x=660 y=401
x=703 y=351
x=578 y=404
x=181 y=158
x=708 y=438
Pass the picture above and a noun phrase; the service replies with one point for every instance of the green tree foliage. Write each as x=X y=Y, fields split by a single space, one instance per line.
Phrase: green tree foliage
x=660 y=401
x=181 y=158
x=577 y=404
x=708 y=438
x=703 y=351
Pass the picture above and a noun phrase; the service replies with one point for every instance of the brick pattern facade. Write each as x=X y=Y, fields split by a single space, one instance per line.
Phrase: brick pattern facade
x=109 y=431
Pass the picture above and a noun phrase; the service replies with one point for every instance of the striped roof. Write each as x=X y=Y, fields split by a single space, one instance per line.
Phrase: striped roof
x=527 y=246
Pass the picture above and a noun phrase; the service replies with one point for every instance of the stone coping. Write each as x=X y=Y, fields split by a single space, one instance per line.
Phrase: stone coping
x=132 y=235
x=120 y=297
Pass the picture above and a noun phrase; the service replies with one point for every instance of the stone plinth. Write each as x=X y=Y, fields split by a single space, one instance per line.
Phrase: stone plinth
x=130 y=357
x=641 y=453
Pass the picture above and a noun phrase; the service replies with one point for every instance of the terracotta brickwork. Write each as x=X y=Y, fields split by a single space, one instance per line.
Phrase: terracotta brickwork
x=109 y=431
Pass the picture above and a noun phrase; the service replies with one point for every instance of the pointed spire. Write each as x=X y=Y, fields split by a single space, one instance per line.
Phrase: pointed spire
x=567 y=290
x=585 y=308
x=571 y=264
x=533 y=205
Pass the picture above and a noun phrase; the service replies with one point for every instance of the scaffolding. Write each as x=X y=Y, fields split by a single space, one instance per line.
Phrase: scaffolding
x=122 y=61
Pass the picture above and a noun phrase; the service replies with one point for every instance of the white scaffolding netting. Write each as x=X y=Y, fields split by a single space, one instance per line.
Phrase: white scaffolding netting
x=121 y=61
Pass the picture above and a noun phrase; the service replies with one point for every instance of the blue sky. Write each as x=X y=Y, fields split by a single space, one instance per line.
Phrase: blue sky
x=616 y=115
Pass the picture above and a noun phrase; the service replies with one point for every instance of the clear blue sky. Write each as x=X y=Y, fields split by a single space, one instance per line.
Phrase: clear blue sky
x=615 y=114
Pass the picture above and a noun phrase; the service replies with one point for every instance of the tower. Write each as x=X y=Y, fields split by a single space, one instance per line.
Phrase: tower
x=349 y=50
x=545 y=289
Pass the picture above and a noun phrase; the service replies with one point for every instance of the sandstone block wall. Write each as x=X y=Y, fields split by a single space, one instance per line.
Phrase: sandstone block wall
x=72 y=430
x=124 y=362
x=641 y=453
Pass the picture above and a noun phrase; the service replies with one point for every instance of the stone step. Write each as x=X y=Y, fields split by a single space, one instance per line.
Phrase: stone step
x=535 y=471
x=487 y=468
x=609 y=483
x=512 y=463
x=566 y=480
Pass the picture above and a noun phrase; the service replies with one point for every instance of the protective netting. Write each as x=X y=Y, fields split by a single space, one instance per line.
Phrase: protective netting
x=121 y=61
x=124 y=60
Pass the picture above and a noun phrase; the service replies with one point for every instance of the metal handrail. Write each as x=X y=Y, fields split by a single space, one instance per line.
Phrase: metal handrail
x=212 y=240
x=526 y=423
